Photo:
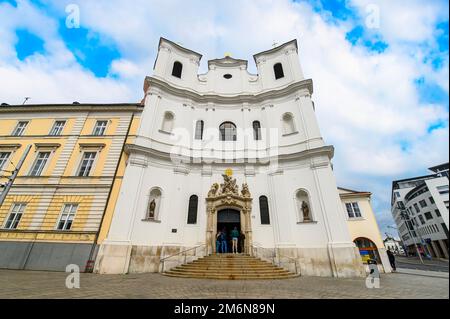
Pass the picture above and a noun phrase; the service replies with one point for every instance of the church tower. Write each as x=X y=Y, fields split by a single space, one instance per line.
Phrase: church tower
x=229 y=149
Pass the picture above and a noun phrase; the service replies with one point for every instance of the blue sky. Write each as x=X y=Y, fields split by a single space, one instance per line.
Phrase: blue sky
x=381 y=92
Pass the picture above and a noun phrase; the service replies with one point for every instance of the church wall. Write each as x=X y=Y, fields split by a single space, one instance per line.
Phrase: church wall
x=299 y=160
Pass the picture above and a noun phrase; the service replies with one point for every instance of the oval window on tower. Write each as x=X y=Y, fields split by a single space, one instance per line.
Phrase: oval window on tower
x=227 y=76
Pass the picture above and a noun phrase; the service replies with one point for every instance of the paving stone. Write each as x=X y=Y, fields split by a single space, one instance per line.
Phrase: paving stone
x=24 y=284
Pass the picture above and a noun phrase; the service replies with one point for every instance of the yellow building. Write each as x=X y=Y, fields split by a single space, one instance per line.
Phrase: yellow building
x=52 y=215
x=363 y=227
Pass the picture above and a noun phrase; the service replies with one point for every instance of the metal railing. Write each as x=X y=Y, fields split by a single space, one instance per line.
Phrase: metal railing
x=274 y=256
x=181 y=253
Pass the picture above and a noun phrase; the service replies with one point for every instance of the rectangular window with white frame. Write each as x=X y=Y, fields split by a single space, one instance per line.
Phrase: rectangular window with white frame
x=87 y=162
x=12 y=222
x=20 y=128
x=4 y=158
x=100 y=128
x=67 y=216
x=39 y=163
x=353 y=210
x=57 y=128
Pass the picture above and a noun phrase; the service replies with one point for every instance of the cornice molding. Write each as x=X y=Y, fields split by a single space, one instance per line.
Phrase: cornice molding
x=72 y=108
x=154 y=83
x=324 y=151
x=98 y=146
x=276 y=49
x=227 y=62
x=47 y=145
x=11 y=146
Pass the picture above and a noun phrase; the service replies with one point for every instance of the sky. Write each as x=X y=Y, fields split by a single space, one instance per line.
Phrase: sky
x=380 y=67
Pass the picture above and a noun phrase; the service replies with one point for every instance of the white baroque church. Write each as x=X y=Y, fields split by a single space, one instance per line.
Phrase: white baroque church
x=229 y=149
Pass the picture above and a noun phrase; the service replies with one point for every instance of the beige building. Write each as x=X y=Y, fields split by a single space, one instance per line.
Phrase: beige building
x=363 y=227
x=73 y=167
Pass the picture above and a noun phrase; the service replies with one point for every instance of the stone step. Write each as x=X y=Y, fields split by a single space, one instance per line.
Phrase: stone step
x=231 y=267
x=231 y=277
x=216 y=267
x=230 y=261
x=228 y=274
x=218 y=270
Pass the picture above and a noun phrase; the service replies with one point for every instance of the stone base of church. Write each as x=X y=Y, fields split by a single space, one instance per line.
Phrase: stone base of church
x=335 y=261
x=113 y=258
x=342 y=262
x=123 y=259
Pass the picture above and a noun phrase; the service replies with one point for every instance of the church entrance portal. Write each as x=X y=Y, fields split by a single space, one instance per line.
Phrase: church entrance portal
x=227 y=219
x=229 y=207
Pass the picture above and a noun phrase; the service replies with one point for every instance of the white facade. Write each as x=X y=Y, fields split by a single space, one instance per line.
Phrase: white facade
x=288 y=164
x=425 y=200
x=394 y=246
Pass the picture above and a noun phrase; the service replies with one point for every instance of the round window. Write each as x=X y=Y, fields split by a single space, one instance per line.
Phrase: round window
x=227 y=76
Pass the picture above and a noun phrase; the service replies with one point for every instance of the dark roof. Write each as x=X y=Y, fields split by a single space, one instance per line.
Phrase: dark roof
x=412 y=179
x=439 y=167
x=353 y=191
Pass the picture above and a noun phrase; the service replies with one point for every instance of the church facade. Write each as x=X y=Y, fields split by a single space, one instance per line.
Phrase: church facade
x=229 y=149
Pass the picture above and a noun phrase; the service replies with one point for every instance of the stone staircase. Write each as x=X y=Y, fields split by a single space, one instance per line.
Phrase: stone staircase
x=229 y=267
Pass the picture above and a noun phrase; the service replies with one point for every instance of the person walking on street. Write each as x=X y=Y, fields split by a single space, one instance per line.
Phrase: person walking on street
x=391 y=259
x=235 y=238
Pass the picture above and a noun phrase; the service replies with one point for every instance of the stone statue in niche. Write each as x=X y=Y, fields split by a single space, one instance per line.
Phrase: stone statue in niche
x=152 y=209
x=213 y=191
x=245 y=191
x=306 y=211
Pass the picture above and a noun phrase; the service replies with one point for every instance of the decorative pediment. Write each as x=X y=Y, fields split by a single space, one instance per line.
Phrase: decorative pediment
x=227 y=62
x=229 y=190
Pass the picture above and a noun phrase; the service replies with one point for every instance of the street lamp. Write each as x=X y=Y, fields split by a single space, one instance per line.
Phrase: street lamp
x=404 y=215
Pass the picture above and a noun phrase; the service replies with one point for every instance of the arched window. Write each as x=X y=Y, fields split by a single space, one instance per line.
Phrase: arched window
x=228 y=132
x=168 y=121
x=303 y=207
x=264 y=210
x=177 y=69
x=278 y=69
x=199 y=126
x=154 y=204
x=367 y=249
x=192 y=209
x=288 y=124
x=257 y=130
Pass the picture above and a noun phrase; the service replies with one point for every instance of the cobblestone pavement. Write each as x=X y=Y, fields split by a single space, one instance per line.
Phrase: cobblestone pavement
x=26 y=284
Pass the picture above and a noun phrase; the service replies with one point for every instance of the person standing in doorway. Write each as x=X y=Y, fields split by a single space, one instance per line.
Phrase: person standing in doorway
x=235 y=238
x=242 y=243
x=218 y=242
x=391 y=259
x=223 y=240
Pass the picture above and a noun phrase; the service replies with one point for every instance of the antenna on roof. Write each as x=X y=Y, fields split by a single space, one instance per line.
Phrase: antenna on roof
x=275 y=44
x=27 y=98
